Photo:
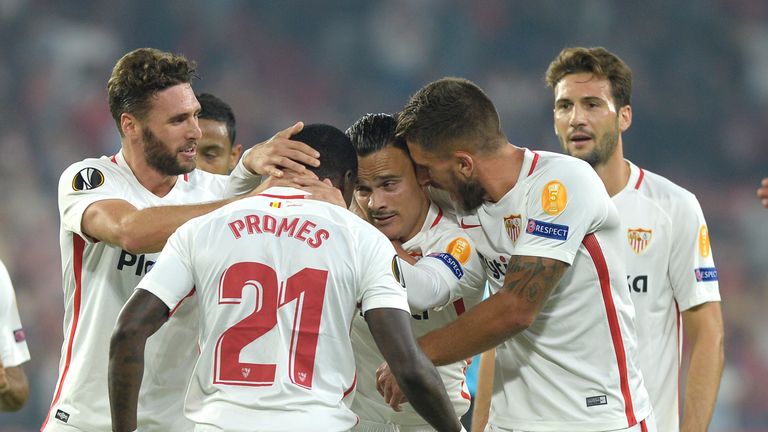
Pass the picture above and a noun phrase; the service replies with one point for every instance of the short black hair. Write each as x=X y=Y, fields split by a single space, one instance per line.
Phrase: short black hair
x=373 y=132
x=337 y=155
x=213 y=108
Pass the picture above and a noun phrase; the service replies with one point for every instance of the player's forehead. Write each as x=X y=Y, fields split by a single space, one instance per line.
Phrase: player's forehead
x=583 y=85
x=385 y=163
x=174 y=101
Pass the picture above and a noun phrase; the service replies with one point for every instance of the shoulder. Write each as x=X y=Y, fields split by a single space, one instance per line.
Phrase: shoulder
x=666 y=193
x=88 y=173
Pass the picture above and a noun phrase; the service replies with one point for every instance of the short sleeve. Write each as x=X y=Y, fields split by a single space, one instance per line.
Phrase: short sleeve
x=171 y=278
x=692 y=270
x=456 y=243
x=13 y=345
x=564 y=205
x=379 y=279
x=83 y=184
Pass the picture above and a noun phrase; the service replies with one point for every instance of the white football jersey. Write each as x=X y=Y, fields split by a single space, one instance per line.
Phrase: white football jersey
x=98 y=278
x=13 y=342
x=670 y=269
x=278 y=279
x=439 y=234
x=575 y=367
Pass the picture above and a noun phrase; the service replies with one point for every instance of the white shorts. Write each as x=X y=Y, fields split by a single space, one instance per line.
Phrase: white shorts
x=367 y=426
x=646 y=425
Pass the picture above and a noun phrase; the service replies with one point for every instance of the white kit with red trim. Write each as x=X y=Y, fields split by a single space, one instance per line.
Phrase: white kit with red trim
x=98 y=278
x=13 y=342
x=575 y=367
x=670 y=269
x=278 y=279
x=440 y=233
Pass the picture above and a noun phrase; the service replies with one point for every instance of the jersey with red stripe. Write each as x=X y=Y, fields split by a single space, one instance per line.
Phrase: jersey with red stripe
x=98 y=278
x=574 y=368
x=13 y=343
x=278 y=279
x=439 y=233
x=670 y=269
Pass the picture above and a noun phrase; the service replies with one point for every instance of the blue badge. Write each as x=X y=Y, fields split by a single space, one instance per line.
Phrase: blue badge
x=546 y=229
x=451 y=262
x=706 y=274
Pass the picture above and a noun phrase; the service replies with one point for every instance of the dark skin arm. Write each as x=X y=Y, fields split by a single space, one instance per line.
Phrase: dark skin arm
x=14 y=388
x=140 y=318
x=527 y=285
x=416 y=375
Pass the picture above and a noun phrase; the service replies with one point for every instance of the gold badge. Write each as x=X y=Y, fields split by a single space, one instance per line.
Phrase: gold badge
x=704 y=241
x=639 y=239
x=513 y=224
x=460 y=249
x=554 y=198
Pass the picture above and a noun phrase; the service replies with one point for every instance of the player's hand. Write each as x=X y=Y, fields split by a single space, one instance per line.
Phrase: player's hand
x=762 y=192
x=321 y=190
x=3 y=379
x=287 y=180
x=280 y=153
x=387 y=386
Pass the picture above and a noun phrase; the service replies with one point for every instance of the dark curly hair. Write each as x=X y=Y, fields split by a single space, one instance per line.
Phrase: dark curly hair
x=140 y=74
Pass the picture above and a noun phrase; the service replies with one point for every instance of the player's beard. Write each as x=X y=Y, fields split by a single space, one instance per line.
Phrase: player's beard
x=158 y=156
x=471 y=193
x=603 y=150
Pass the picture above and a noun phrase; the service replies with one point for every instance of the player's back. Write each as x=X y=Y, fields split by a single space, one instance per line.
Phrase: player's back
x=279 y=278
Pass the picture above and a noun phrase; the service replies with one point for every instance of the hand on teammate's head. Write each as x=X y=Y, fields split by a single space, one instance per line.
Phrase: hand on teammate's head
x=278 y=154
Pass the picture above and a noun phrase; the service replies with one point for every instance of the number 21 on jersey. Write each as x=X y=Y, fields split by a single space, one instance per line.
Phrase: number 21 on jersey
x=307 y=287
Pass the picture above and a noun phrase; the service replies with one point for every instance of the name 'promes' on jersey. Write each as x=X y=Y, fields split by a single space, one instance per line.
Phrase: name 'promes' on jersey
x=296 y=227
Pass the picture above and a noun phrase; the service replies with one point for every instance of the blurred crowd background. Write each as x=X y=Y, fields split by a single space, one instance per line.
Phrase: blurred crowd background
x=700 y=104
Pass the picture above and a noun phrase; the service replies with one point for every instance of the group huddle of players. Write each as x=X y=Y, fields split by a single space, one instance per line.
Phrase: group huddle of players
x=334 y=280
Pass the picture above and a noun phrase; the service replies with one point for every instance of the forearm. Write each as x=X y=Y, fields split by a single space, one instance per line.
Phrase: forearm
x=126 y=370
x=147 y=230
x=483 y=327
x=702 y=384
x=423 y=387
x=16 y=391
x=484 y=391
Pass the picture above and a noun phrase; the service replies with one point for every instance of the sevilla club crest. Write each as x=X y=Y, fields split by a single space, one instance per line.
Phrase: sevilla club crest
x=513 y=224
x=639 y=239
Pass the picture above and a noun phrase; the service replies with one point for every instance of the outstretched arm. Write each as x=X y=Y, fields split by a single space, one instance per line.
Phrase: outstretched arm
x=141 y=317
x=527 y=286
x=703 y=326
x=14 y=388
x=417 y=377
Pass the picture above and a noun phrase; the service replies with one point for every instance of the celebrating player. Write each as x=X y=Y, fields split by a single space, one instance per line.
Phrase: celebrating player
x=217 y=151
x=276 y=305
x=388 y=191
x=549 y=234
x=14 y=388
x=669 y=260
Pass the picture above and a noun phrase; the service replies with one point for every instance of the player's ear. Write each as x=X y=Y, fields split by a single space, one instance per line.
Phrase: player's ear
x=625 y=117
x=129 y=125
x=234 y=155
x=464 y=163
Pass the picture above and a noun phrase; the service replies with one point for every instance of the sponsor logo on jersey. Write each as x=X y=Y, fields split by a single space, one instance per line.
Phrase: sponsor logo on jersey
x=597 y=400
x=639 y=239
x=496 y=268
x=460 y=249
x=449 y=261
x=275 y=204
x=514 y=225
x=61 y=415
x=706 y=274
x=546 y=229
x=19 y=336
x=554 y=198
x=87 y=179
x=704 y=249
x=396 y=272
